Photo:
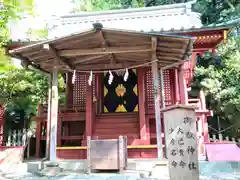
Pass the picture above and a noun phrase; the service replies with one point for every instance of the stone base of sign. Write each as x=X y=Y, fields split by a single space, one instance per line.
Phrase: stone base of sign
x=161 y=163
x=160 y=172
x=51 y=171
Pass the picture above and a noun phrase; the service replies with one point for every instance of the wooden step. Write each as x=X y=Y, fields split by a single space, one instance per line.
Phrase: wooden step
x=116 y=131
x=117 y=116
x=116 y=121
x=116 y=136
x=114 y=125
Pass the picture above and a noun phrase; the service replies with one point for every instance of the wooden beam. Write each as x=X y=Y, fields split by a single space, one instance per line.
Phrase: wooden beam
x=171 y=50
x=40 y=58
x=76 y=41
x=157 y=94
x=25 y=60
x=171 y=55
x=168 y=59
x=173 y=65
x=105 y=45
x=86 y=59
x=105 y=66
x=115 y=50
x=54 y=53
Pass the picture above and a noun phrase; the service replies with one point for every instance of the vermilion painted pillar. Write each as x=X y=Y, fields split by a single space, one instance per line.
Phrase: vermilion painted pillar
x=177 y=93
x=143 y=122
x=59 y=132
x=89 y=110
x=38 y=138
x=69 y=88
x=182 y=86
x=98 y=89
x=1 y=125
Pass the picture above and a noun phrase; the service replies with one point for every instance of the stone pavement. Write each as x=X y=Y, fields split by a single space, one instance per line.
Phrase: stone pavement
x=209 y=171
x=105 y=176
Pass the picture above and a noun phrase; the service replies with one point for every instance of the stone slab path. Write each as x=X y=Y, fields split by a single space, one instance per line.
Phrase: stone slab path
x=106 y=176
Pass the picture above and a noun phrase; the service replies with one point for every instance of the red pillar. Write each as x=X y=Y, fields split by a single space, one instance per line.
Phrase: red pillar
x=99 y=93
x=1 y=125
x=38 y=138
x=69 y=89
x=59 y=131
x=143 y=122
x=182 y=86
x=89 y=110
x=177 y=93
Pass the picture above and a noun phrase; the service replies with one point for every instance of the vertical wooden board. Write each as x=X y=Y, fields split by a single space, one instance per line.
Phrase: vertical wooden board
x=182 y=148
x=120 y=153
x=89 y=154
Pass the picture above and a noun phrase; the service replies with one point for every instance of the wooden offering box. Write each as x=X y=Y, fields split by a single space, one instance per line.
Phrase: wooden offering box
x=107 y=154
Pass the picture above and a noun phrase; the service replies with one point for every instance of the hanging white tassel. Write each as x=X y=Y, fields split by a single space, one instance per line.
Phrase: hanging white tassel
x=110 y=80
x=125 y=78
x=74 y=77
x=90 y=79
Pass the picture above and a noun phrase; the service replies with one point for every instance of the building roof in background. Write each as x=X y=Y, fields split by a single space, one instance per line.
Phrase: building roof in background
x=159 y=19
x=176 y=18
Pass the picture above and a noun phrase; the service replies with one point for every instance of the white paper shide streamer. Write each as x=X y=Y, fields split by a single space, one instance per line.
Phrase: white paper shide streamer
x=110 y=80
x=90 y=79
x=125 y=78
x=74 y=77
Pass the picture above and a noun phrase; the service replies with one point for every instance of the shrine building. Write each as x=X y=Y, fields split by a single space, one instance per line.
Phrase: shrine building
x=121 y=67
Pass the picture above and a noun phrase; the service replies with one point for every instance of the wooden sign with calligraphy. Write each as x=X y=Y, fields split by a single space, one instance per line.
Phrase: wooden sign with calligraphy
x=181 y=142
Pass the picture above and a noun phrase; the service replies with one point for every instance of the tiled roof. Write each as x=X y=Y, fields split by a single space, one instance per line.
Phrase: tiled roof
x=158 y=18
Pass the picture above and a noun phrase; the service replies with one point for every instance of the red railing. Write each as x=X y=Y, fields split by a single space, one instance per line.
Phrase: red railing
x=43 y=109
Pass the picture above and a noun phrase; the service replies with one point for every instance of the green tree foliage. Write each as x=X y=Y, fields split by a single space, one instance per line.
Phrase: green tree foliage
x=219 y=76
x=99 y=5
x=12 y=10
x=218 y=11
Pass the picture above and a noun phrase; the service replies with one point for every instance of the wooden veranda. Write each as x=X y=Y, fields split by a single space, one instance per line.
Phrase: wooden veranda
x=102 y=50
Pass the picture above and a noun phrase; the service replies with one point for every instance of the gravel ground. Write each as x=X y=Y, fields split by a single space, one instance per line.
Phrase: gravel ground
x=73 y=176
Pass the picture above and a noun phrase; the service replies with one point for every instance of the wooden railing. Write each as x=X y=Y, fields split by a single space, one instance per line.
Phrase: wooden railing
x=220 y=138
x=195 y=102
x=43 y=109
x=20 y=137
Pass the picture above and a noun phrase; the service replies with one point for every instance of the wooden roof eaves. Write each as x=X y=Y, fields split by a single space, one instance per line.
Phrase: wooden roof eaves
x=30 y=63
x=202 y=29
x=20 y=49
x=39 y=46
x=51 y=41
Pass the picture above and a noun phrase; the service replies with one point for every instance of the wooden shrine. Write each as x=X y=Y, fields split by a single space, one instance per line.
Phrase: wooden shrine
x=127 y=108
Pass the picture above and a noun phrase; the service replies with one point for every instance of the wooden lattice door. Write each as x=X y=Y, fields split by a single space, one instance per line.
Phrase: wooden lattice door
x=168 y=88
